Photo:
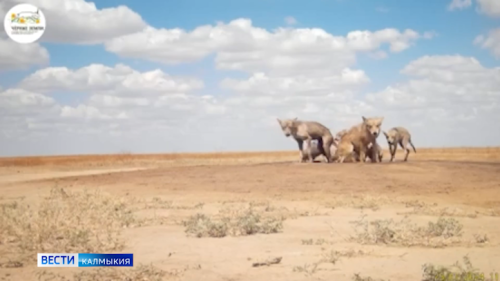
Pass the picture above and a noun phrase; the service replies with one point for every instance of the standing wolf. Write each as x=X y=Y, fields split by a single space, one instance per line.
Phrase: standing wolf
x=399 y=135
x=361 y=139
x=307 y=131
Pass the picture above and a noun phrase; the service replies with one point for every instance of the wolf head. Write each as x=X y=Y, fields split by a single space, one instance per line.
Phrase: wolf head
x=390 y=136
x=339 y=135
x=373 y=125
x=288 y=126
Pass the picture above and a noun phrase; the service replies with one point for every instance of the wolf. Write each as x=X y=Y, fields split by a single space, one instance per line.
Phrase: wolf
x=340 y=134
x=399 y=135
x=345 y=150
x=307 y=131
x=378 y=152
x=348 y=154
x=358 y=139
x=315 y=151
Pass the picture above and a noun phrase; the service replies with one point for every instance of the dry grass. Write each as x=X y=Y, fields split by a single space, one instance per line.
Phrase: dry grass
x=140 y=272
x=327 y=257
x=443 y=232
x=232 y=222
x=422 y=208
x=358 y=277
x=319 y=241
x=76 y=222
x=67 y=222
x=458 y=153
x=158 y=203
x=358 y=202
x=457 y=271
x=51 y=225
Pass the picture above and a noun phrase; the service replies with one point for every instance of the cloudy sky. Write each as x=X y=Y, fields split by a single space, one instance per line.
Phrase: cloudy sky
x=197 y=75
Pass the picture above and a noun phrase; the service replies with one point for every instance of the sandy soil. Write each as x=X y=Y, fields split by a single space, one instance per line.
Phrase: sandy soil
x=319 y=203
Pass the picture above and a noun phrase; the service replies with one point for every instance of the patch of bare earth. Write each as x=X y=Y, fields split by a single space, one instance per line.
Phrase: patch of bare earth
x=254 y=216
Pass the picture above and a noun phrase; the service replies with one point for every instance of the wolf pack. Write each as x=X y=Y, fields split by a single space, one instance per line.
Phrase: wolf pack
x=356 y=144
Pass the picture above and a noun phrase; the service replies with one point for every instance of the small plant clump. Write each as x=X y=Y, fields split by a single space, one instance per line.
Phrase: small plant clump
x=456 y=271
x=140 y=272
x=443 y=232
x=358 y=277
x=232 y=223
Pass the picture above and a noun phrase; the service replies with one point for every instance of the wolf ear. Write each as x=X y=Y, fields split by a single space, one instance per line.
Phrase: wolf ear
x=279 y=121
x=385 y=134
x=380 y=119
x=364 y=119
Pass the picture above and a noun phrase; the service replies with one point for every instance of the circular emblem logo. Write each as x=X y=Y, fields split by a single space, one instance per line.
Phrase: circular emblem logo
x=24 y=23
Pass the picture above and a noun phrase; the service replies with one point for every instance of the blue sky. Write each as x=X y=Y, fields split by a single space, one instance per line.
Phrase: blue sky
x=454 y=31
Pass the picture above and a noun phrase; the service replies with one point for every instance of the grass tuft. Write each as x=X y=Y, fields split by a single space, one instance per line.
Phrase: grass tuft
x=443 y=232
x=358 y=277
x=140 y=272
x=232 y=223
x=64 y=222
x=457 y=271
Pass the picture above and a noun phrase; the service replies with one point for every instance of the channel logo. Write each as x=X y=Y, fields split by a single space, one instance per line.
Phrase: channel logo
x=84 y=260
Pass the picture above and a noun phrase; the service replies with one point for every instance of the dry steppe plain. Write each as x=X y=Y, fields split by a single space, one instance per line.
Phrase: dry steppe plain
x=254 y=216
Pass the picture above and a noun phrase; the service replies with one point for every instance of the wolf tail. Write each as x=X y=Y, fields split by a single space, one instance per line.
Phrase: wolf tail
x=413 y=146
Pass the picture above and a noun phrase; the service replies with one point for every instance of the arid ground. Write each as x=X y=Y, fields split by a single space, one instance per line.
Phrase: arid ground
x=254 y=216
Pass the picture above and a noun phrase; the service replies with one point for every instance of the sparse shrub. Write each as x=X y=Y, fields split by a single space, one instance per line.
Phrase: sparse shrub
x=159 y=203
x=481 y=238
x=358 y=277
x=234 y=223
x=311 y=241
x=202 y=226
x=359 y=202
x=423 y=208
x=456 y=271
x=320 y=241
x=141 y=272
x=64 y=222
x=330 y=257
x=444 y=227
x=307 y=269
x=307 y=241
x=440 y=233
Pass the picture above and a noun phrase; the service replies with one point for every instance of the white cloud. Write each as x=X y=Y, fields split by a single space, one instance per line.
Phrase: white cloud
x=132 y=101
x=260 y=83
x=239 y=45
x=459 y=4
x=100 y=79
x=15 y=56
x=454 y=97
x=80 y=22
x=290 y=20
x=490 y=42
x=489 y=7
x=88 y=112
x=15 y=100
